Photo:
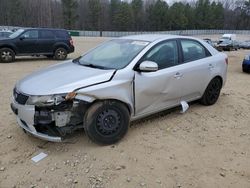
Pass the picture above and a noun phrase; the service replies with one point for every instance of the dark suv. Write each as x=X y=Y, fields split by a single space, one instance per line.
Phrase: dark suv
x=55 y=43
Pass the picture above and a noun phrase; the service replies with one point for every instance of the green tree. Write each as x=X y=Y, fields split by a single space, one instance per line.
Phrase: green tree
x=216 y=16
x=114 y=5
x=157 y=16
x=137 y=13
x=94 y=14
x=202 y=13
x=69 y=13
x=123 y=17
x=177 y=16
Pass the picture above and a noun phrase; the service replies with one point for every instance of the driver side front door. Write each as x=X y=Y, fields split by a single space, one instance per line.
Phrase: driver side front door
x=27 y=42
x=155 y=91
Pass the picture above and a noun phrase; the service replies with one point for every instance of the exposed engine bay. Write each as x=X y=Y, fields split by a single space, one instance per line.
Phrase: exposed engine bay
x=60 y=118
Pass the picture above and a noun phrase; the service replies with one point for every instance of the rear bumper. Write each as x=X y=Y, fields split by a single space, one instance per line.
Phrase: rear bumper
x=25 y=119
x=71 y=49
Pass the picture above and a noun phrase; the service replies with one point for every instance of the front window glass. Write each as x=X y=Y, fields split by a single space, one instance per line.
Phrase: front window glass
x=17 y=33
x=32 y=34
x=114 y=54
x=164 y=54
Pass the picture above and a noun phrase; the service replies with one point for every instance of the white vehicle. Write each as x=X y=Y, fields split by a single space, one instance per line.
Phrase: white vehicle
x=228 y=42
x=231 y=37
x=120 y=81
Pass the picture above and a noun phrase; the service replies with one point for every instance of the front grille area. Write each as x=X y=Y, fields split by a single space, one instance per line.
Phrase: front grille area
x=19 y=97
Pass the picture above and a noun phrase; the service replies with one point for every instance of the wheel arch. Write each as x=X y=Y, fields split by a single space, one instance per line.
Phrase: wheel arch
x=130 y=109
x=60 y=45
x=10 y=47
x=220 y=78
x=205 y=87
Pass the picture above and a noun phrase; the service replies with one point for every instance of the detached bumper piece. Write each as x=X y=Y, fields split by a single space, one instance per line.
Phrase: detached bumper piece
x=52 y=123
x=37 y=134
x=26 y=118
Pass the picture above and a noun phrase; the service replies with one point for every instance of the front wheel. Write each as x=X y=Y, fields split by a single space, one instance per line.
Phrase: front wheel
x=106 y=122
x=212 y=92
x=7 y=55
x=60 y=54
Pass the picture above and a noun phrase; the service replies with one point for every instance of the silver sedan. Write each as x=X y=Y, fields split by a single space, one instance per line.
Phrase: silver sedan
x=119 y=81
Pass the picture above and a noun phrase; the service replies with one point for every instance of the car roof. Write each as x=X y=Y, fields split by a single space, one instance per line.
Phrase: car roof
x=43 y=28
x=154 y=37
x=4 y=31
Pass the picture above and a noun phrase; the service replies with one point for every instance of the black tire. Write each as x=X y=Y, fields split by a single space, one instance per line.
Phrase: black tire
x=7 y=55
x=212 y=92
x=106 y=122
x=60 y=54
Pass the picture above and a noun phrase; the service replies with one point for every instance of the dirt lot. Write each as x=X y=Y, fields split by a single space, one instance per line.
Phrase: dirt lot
x=207 y=147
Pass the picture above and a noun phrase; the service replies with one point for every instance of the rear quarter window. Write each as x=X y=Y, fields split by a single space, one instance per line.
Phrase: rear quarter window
x=62 y=34
x=44 y=34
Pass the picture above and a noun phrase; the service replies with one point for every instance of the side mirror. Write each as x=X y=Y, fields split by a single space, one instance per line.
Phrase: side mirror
x=148 y=66
x=22 y=38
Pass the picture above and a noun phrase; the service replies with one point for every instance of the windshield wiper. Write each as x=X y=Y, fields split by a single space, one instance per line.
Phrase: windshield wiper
x=94 y=66
x=76 y=60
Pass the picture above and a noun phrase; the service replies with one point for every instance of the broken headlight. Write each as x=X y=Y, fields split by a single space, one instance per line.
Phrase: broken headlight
x=46 y=100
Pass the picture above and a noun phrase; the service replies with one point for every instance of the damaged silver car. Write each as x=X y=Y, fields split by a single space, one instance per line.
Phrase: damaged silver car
x=119 y=81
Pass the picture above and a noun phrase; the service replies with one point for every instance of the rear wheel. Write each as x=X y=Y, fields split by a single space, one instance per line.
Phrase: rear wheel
x=212 y=92
x=7 y=55
x=106 y=122
x=60 y=54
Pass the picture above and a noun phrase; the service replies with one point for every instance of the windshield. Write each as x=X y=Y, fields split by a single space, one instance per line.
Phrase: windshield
x=17 y=33
x=114 y=54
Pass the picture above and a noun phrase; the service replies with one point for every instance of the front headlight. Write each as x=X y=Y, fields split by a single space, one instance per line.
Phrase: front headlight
x=46 y=100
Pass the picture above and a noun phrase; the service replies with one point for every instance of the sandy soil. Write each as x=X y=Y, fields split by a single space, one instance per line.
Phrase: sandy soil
x=207 y=147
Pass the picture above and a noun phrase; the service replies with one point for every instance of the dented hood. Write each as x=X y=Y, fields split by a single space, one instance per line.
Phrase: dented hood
x=62 y=78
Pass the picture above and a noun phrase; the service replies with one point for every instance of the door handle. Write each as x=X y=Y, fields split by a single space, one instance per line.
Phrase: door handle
x=210 y=66
x=178 y=75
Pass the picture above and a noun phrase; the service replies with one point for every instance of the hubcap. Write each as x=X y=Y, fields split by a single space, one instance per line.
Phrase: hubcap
x=108 y=122
x=61 y=54
x=6 y=56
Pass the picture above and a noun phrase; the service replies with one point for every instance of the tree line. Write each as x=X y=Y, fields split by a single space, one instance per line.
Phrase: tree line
x=132 y=15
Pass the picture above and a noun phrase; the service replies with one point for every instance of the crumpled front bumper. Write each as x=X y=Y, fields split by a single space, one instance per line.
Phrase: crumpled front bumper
x=25 y=119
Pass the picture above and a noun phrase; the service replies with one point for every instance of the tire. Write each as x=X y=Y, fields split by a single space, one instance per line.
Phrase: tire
x=106 y=122
x=212 y=92
x=60 y=54
x=7 y=55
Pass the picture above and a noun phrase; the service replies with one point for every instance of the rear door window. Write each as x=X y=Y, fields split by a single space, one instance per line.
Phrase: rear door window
x=193 y=50
x=46 y=34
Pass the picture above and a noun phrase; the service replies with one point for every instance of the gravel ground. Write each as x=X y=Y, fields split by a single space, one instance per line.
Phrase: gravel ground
x=205 y=147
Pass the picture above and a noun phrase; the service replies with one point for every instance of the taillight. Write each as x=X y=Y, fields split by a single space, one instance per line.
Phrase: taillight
x=226 y=61
x=71 y=42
